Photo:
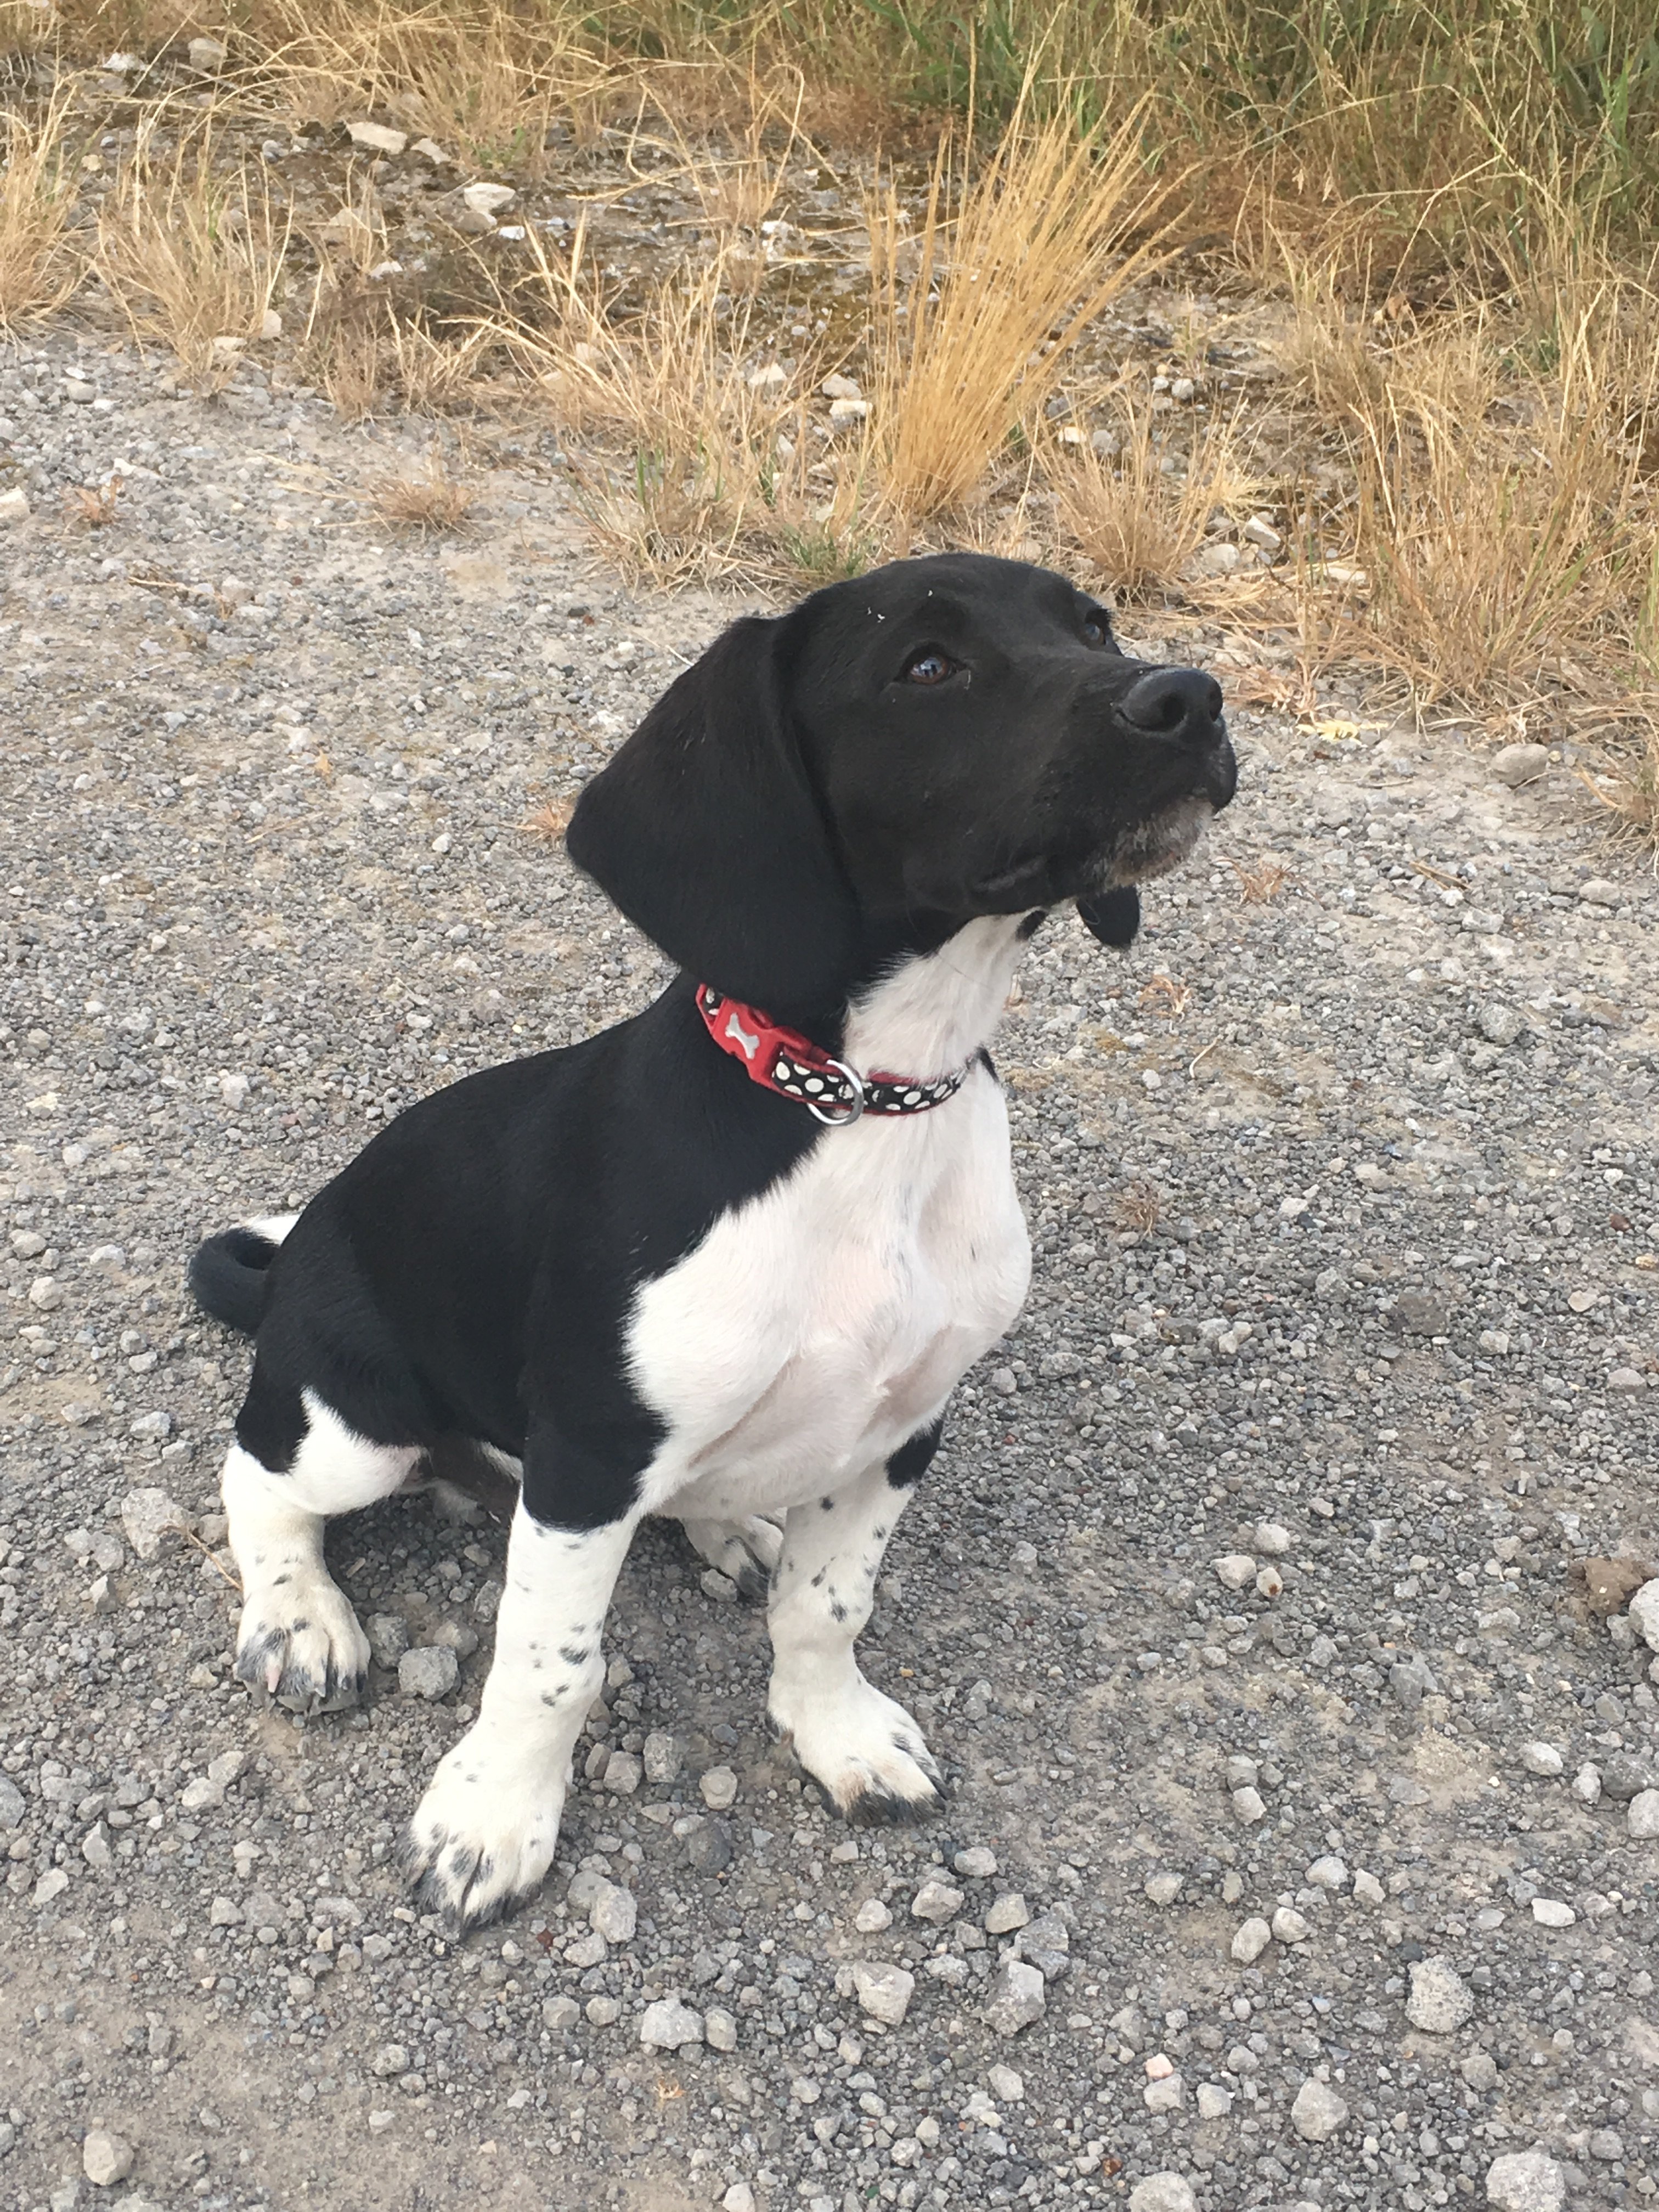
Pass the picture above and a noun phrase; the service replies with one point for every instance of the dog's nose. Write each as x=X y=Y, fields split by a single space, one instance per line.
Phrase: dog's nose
x=1175 y=702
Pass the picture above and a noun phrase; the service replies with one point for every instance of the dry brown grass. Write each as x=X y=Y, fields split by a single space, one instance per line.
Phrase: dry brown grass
x=94 y=506
x=41 y=260
x=1136 y=523
x=548 y=823
x=426 y=498
x=190 y=251
x=974 y=317
x=1260 y=884
x=1139 y=1209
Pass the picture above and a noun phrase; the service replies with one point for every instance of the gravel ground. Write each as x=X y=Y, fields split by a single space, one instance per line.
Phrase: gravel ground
x=1268 y=1595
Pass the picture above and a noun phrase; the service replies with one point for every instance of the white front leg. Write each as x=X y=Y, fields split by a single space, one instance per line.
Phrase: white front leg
x=484 y=1833
x=865 y=1751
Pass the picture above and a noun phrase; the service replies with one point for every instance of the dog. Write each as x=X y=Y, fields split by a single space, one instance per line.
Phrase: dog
x=726 y=1261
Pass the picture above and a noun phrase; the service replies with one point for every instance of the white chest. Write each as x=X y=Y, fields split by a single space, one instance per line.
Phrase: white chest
x=812 y=1331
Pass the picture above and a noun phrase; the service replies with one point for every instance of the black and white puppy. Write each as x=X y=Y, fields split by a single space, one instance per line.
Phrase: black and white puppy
x=727 y=1261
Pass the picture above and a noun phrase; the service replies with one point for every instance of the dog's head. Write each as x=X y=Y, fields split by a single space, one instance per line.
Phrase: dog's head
x=940 y=739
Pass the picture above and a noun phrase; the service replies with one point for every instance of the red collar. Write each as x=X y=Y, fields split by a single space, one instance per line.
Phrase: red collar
x=784 y=1061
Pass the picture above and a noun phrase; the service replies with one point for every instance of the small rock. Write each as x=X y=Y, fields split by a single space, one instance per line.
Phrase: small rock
x=708 y=1847
x=1480 y=2071
x=840 y=387
x=739 y=2197
x=1518 y=764
x=1440 y=1999
x=720 y=2028
x=12 y=1807
x=150 y=1519
x=156 y=1424
x=52 y=1883
x=622 y=1772
x=1526 y=2181
x=662 y=1757
x=1499 y=1025
x=885 y=1992
x=669 y=2024
x=602 y=2012
x=1005 y=2085
x=1289 y=1926
x=1644 y=1614
x=1367 y=1889
x=1163 y=1888
x=206 y=56
x=872 y=1916
x=1260 y=534
x=720 y=1789
x=1641 y=1816
x=377 y=138
x=1018 y=1998
x=1587 y=1784
x=1163 y=2193
x=1164 y=2093
x=489 y=199
x=1250 y=1940
x=1606 y=2144
x=1542 y=1758
x=1328 y=1873
x=106 y=2158
x=1235 y=1571
x=1551 y=1912
x=94 y=1848
x=559 y=2014
x=234 y=1089
x=201 y=1794
x=1007 y=1913
x=1269 y=1537
x=1249 y=1806
x=1598 y=891
x=1242 y=1771
x=937 y=1902
x=614 y=1913
x=46 y=1294
x=391 y=2058
x=1214 y=2103
x=14 y=506
x=1318 y=2113
x=975 y=1864
x=388 y=1638
x=430 y=1670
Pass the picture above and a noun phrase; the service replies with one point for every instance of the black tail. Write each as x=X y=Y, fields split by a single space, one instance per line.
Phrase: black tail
x=229 y=1277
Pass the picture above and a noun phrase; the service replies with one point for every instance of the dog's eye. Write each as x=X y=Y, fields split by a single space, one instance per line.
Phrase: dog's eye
x=930 y=665
x=1095 y=631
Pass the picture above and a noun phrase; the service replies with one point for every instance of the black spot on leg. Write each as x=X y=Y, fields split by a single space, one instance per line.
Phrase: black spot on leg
x=826 y=1504
x=574 y=1655
x=837 y=1611
x=820 y=1578
x=914 y=1455
x=553 y=1697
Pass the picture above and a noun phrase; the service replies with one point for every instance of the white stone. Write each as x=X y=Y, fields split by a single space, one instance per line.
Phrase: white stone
x=1248 y=1805
x=720 y=2028
x=1162 y=1888
x=977 y=1864
x=1542 y=1758
x=739 y=2197
x=1587 y=1784
x=1440 y=1999
x=1214 y=2103
x=207 y=55
x=430 y=1670
x=937 y=1902
x=1526 y=2181
x=1367 y=1889
x=1006 y=2085
x=614 y=1913
x=840 y=387
x=1251 y=1940
x=1269 y=1537
x=885 y=1992
x=1289 y=1926
x=1518 y=764
x=1163 y=2193
x=720 y=1789
x=377 y=138
x=1551 y=1912
x=1235 y=1571
x=1318 y=2113
x=667 y=2025
x=1642 y=1815
x=489 y=199
x=14 y=506
x=1644 y=1614
x=1328 y=1873
x=106 y=2158
x=1167 y=2093
x=872 y=1916
x=623 y=1770
x=1007 y=1913
x=233 y=1090
x=150 y=1517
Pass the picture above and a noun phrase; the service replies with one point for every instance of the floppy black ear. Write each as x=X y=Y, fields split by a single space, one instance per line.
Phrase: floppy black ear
x=706 y=831
x=1112 y=917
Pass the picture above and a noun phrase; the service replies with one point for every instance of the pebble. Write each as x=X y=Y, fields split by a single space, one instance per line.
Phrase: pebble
x=378 y=137
x=14 y=506
x=1480 y=2071
x=1235 y=1571
x=1214 y=2103
x=1289 y=1926
x=1269 y=1537
x=1165 y=2093
x=623 y=1772
x=669 y=2024
x=720 y=2028
x=1518 y=764
x=1328 y=1873
x=1440 y=1999
x=719 y=1786
x=106 y=2158
x=152 y=1519
x=1318 y=2113
x=602 y=2012
x=872 y=1916
x=1249 y=1805
x=1551 y=1912
x=936 y=1902
x=739 y=2197
x=1163 y=2193
x=708 y=1847
x=12 y=1807
x=1641 y=1816
x=885 y=1992
x=1367 y=1889
x=1017 y=1997
x=1526 y=2181
x=560 y=2014
x=488 y=199
x=662 y=1757
x=1587 y=1784
x=1003 y=2084
x=977 y=1864
x=1007 y=1913
x=1500 y=1025
x=1250 y=1940
x=1162 y=1888
x=430 y=1670
x=1542 y=1758
x=1269 y=1582
x=614 y=1913
x=1644 y=1614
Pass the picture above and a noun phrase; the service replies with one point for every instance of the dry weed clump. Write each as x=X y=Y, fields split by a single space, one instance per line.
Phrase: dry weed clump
x=973 y=318
x=40 y=260
x=1136 y=522
x=189 y=250
x=427 y=498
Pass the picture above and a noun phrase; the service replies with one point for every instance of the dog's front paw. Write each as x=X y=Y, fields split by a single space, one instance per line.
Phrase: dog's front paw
x=484 y=1836
x=863 y=1749
x=300 y=1644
